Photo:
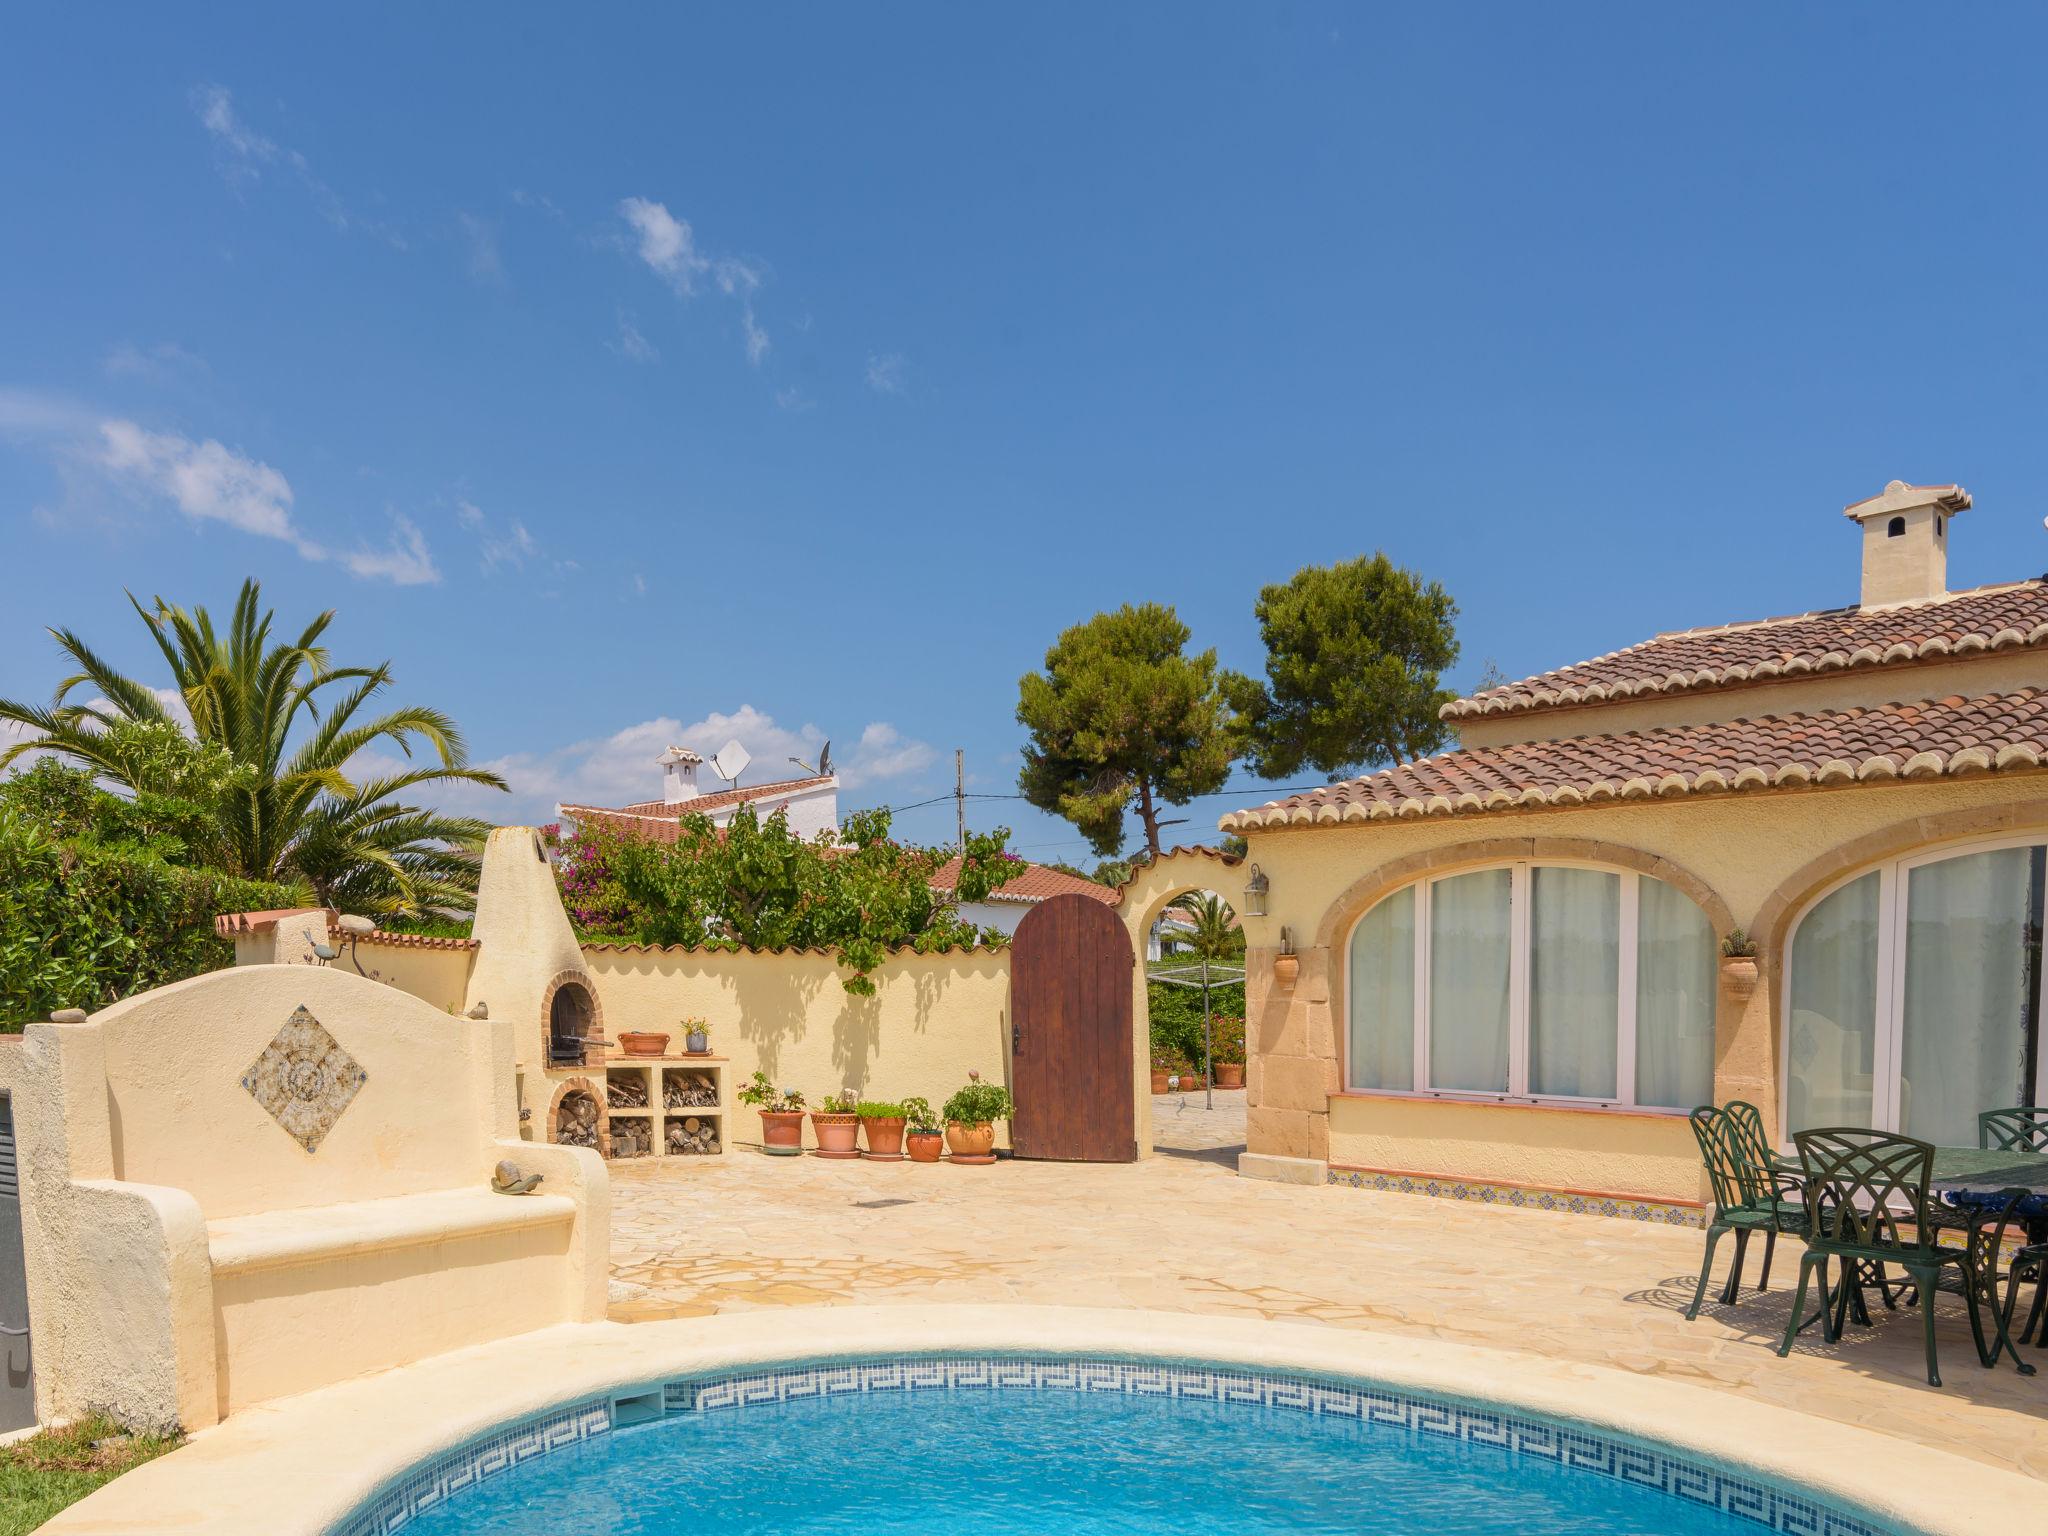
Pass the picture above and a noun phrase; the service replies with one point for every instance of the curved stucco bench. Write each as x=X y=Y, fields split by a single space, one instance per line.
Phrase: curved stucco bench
x=326 y=1233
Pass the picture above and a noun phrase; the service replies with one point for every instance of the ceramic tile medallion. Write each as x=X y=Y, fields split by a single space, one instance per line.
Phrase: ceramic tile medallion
x=305 y=1078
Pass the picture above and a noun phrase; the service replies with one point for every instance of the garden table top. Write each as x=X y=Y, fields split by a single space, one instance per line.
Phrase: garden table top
x=1976 y=1168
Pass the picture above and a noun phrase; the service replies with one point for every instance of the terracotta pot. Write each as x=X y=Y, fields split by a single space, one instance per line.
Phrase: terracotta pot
x=972 y=1143
x=640 y=1042
x=1286 y=968
x=782 y=1131
x=925 y=1146
x=1229 y=1074
x=1739 y=972
x=885 y=1138
x=838 y=1135
x=697 y=1043
x=1159 y=1082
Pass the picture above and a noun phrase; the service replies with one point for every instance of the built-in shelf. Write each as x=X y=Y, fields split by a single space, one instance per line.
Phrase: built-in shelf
x=660 y=1118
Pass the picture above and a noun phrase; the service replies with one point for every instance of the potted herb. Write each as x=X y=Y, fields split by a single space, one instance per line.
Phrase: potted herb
x=970 y=1116
x=882 y=1124
x=836 y=1123
x=697 y=1037
x=782 y=1115
x=925 y=1136
x=1227 y=1036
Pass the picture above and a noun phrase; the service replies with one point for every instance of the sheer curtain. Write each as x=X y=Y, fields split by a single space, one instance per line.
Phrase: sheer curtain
x=1676 y=977
x=1383 y=995
x=1833 y=1037
x=1964 y=1018
x=1468 y=982
x=1574 y=982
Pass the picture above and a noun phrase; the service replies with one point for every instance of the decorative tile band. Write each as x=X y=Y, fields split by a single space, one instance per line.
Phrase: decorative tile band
x=1620 y=1207
x=1747 y=1499
x=426 y=1487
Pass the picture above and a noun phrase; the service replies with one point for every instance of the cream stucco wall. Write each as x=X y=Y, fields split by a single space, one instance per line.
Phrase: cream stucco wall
x=932 y=1020
x=1752 y=861
x=187 y=1257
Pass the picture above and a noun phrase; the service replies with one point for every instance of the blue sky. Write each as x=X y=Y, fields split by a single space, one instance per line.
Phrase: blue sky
x=801 y=373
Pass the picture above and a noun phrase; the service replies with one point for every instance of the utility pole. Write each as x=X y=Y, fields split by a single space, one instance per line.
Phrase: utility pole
x=960 y=795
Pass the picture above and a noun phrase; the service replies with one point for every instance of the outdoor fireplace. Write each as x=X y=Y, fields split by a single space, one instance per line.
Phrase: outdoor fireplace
x=573 y=1021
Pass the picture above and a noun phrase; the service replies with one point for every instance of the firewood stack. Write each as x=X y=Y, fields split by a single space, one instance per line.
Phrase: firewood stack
x=576 y=1125
x=689 y=1090
x=632 y=1138
x=627 y=1092
x=691 y=1135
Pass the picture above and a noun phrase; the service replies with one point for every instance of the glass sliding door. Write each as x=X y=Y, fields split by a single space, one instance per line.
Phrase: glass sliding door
x=1574 y=982
x=1676 y=985
x=1831 y=1040
x=1382 y=990
x=1470 y=943
x=1965 y=1001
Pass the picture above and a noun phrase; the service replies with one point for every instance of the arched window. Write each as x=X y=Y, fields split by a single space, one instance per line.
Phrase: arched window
x=1534 y=981
x=1913 y=995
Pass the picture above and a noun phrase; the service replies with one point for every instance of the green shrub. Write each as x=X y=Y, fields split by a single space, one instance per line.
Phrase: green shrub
x=882 y=1110
x=1176 y=1018
x=978 y=1102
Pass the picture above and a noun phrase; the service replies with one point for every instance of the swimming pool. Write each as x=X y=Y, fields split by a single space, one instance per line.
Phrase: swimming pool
x=1010 y=1444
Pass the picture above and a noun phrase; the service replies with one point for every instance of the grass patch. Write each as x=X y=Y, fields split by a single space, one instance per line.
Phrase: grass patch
x=46 y=1472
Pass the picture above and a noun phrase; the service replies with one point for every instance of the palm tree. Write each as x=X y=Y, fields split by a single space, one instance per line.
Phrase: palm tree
x=287 y=809
x=1216 y=933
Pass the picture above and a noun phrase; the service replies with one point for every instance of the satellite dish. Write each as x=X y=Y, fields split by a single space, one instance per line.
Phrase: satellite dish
x=825 y=762
x=730 y=761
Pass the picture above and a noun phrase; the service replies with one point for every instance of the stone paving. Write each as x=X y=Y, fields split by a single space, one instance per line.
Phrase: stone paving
x=1182 y=1233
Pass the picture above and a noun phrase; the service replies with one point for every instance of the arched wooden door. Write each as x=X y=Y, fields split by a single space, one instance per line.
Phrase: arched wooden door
x=1070 y=1034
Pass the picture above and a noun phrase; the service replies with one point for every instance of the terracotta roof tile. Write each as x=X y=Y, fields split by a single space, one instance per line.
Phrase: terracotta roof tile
x=229 y=924
x=1037 y=883
x=1930 y=739
x=658 y=821
x=1963 y=624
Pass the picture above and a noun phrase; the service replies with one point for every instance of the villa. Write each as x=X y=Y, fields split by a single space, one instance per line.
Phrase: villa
x=1792 y=861
x=811 y=802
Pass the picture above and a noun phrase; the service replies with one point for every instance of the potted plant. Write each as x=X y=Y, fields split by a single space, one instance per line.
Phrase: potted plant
x=1228 y=1056
x=697 y=1037
x=925 y=1137
x=782 y=1115
x=836 y=1123
x=642 y=1042
x=882 y=1124
x=1738 y=963
x=1286 y=964
x=1162 y=1068
x=970 y=1113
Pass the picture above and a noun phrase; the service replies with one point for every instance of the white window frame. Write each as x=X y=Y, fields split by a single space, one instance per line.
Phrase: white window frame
x=1890 y=1043
x=1516 y=1090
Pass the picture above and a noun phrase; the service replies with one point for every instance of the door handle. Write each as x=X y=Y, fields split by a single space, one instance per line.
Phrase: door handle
x=1016 y=1038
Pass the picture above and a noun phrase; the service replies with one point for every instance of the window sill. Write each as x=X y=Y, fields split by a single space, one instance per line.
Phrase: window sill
x=1489 y=1101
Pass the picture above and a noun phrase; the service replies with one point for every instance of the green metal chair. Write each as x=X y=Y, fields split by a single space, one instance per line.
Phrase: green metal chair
x=1867 y=1203
x=1749 y=1196
x=2013 y=1130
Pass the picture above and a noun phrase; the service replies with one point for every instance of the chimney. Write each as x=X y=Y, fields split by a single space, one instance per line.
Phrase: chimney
x=1905 y=542
x=678 y=775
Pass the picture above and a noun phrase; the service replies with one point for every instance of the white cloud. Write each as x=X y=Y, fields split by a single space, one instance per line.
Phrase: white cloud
x=513 y=547
x=885 y=373
x=243 y=154
x=486 y=264
x=620 y=769
x=668 y=246
x=632 y=343
x=163 y=361
x=406 y=563
x=793 y=399
x=639 y=585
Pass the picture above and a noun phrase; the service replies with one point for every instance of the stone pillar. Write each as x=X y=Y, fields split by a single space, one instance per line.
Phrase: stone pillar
x=1745 y=1048
x=1291 y=1068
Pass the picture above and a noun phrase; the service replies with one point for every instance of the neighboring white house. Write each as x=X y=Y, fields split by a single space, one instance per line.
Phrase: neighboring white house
x=812 y=803
x=1008 y=902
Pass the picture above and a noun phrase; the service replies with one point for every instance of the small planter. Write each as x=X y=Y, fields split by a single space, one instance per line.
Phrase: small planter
x=1229 y=1074
x=885 y=1137
x=640 y=1042
x=697 y=1043
x=1286 y=968
x=973 y=1144
x=925 y=1146
x=1159 y=1082
x=838 y=1135
x=782 y=1132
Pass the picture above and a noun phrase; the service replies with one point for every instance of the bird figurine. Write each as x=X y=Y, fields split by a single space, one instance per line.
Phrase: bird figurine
x=508 y=1180
x=480 y=1011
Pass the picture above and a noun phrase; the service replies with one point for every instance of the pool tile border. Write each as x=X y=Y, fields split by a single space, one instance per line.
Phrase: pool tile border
x=1522 y=1197
x=1745 y=1498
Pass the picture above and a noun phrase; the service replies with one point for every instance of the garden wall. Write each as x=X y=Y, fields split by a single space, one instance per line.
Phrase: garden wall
x=933 y=1018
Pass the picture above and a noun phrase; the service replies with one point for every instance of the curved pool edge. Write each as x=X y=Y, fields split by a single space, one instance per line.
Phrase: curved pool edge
x=301 y=1465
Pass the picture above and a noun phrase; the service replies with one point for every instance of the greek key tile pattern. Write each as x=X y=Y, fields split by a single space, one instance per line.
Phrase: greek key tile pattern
x=1620 y=1207
x=1767 y=1507
x=426 y=1487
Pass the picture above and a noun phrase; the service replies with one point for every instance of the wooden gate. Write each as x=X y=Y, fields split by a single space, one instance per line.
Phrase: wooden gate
x=1070 y=1034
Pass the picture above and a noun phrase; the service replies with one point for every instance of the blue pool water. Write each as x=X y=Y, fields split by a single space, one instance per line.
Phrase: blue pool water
x=998 y=1462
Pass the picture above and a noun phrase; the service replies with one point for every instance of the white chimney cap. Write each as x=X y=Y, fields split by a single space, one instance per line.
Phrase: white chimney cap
x=679 y=755
x=1901 y=497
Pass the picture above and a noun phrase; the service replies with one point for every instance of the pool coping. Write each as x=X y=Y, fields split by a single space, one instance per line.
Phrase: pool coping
x=298 y=1466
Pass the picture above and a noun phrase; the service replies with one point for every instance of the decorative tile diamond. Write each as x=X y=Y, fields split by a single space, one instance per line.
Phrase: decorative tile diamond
x=305 y=1079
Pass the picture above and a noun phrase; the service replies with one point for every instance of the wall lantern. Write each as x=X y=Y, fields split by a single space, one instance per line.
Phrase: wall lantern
x=1255 y=893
